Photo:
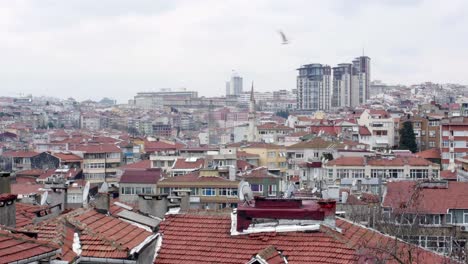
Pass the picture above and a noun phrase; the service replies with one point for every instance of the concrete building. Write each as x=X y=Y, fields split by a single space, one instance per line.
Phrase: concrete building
x=369 y=173
x=342 y=75
x=314 y=87
x=360 y=81
x=454 y=141
x=234 y=86
x=381 y=126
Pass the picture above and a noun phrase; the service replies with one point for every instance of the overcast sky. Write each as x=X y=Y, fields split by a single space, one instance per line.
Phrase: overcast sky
x=115 y=48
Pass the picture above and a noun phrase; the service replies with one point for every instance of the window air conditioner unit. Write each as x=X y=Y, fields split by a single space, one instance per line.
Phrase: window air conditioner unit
x=464 y=228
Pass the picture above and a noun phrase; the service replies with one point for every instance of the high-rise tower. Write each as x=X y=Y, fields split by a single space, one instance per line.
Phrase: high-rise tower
x=314 y=87
x=342 y=85
x=360 y=80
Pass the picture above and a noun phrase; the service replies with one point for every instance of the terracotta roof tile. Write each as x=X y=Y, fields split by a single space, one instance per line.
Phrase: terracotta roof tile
x=148 y=176
x=429 y=154
x=186 y=164
x=15 y=247
x=428 y=200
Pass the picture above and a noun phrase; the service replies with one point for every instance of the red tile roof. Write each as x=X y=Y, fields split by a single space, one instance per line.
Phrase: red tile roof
x=139 y=165
x=25 y=189
x=375 y=247
x=207 y=239
x=20 y=154
x=33 y=172
x=347 y=161
x=148 y=176
x=448 y=175
x=16 y=247
x=152 y=146
x=409 y=196
x=25 y=214
x=259 y=173
x=67 y=157
x=97 y=148
x=429 y=154
x=364 y=131
x=243 y=154
x=101 y=236
x=185 y=164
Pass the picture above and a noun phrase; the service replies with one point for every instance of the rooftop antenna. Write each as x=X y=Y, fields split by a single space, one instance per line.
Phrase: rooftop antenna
x=245 y=192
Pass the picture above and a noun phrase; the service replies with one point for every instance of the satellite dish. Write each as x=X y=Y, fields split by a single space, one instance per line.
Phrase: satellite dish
x=104 y=188
x=290 y=191
x=354 y=182
x=245 y=192
x=314 y=190
x=44 y=198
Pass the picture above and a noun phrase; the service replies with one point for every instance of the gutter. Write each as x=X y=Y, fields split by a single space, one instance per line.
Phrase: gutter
x=107 y=260
x=38 y=257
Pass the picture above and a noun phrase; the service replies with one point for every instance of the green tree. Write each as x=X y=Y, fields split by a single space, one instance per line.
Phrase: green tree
x=407 y=137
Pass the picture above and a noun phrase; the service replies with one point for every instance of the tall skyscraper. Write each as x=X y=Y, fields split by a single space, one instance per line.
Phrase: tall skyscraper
x=361 y=81
x=235 y=85
x=314 y=87
x=351 y=83
x=342 y=85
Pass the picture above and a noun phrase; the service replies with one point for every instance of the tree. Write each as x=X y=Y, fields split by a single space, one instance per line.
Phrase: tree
x=407 y=137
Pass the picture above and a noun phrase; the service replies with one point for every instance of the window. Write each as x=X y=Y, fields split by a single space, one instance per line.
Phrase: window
x=228 y=192
x=459 y=144
x=432 y=133
x=316 y=154
x=113 y=155
x=271 y=164
x=272 y=190
x=208 y=192
x=457 y=216
x=419 y=173
x=271 y=154
x=330 y=174
x=431 y=144
x=257 y=187
x=299 y=155
x=423 y=132
x=429 y=219
x=445 y=143
x=434 y=123
x=445 y=133
x=342 y=173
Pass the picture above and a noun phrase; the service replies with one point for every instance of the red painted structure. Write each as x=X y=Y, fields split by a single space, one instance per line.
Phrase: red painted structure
x=277 y=208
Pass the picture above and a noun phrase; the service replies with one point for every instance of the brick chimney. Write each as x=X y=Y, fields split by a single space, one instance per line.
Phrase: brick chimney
x=8 y=210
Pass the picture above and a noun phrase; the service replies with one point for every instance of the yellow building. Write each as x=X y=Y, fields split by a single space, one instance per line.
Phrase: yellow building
x=271 y=156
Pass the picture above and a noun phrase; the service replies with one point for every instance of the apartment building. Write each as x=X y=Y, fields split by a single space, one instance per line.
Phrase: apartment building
x=368 y=173
x=100 y=161
x=381 y=126
x=314 y=89
x=454 y=141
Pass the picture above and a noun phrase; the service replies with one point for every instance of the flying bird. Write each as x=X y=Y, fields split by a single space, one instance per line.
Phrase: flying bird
x=283 y=37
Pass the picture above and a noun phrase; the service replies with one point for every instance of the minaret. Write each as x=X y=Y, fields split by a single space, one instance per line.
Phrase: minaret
x=252 y=134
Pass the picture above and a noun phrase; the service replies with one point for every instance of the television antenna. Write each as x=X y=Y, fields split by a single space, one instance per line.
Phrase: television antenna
x=245 y=192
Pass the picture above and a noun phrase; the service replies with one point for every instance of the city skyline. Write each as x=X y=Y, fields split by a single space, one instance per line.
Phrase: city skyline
x=117 y=48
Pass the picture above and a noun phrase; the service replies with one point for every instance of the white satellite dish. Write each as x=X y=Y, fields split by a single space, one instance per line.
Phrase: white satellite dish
x=314 y=190
x=290 y=191
x=44 y=198
x=245 y=192
x=104 y=188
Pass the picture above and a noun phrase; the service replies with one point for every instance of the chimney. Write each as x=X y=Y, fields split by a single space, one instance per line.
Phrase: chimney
x=8 y=210
x=59 y=196
x=5 y=184
x=184 y=196
x=102 y=203
x=153 y=204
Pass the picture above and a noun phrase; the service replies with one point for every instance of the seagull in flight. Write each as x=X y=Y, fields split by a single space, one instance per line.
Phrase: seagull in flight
x=283 y=37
